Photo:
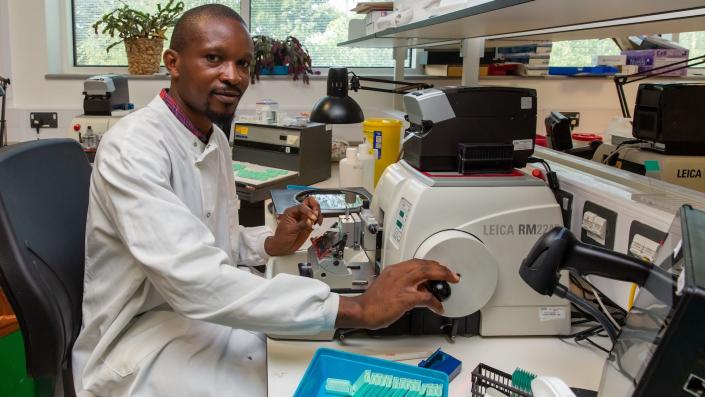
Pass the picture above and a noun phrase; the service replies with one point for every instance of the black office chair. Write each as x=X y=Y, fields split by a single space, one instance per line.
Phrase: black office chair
x=43 y=203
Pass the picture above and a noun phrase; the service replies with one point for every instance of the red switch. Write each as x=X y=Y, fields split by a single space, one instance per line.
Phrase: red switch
x=537 y=173
x=77 y=127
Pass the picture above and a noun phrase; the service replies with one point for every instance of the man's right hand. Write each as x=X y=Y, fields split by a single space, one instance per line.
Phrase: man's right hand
x=398 y=289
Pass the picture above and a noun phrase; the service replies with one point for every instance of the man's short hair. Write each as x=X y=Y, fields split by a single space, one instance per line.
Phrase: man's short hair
x=185 y=26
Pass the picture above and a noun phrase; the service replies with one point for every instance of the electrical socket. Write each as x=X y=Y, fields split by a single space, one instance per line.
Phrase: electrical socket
x=43 y=120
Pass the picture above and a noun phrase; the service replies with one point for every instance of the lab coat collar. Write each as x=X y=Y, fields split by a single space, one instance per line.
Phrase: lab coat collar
x=186 y=137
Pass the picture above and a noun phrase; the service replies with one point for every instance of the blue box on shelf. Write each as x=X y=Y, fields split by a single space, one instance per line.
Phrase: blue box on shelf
x=582 y=70
x=329 y=363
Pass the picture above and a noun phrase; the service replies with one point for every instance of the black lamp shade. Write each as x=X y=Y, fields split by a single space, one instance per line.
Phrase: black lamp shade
x=337 y=110
x=337 y=107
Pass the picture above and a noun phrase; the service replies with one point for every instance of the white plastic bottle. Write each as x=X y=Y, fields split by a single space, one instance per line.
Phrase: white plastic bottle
x=350 y=169
x=368 y=166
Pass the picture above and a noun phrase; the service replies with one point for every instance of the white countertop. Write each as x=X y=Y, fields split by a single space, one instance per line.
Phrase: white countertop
x=579 y=366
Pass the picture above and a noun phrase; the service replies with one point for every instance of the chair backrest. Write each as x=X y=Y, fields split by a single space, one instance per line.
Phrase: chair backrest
x=43 y=204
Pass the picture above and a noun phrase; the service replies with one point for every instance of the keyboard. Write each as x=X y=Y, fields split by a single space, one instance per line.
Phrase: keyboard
x=256 y=175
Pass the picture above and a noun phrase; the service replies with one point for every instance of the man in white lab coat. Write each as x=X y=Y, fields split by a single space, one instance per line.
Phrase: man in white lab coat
x=166 y=310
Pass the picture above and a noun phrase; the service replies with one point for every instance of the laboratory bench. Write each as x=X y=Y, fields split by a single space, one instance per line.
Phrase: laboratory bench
x=580 y=366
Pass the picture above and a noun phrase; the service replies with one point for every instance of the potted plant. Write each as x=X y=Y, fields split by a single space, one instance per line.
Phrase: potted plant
x=143 y=33
x=273 y=56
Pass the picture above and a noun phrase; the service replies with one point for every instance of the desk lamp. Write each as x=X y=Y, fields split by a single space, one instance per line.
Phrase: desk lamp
x=338 y=108
x=621 y=81
x=3 y=88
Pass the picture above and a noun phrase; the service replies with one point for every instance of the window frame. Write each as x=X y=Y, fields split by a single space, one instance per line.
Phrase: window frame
x=68 y=39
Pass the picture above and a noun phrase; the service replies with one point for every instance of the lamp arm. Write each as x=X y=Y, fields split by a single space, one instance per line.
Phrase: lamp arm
x=619 y=84
x=621 y=81
x=405 y=86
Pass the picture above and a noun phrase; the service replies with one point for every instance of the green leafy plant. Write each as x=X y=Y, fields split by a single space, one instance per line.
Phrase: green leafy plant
x=270 y=52
x=128 y=23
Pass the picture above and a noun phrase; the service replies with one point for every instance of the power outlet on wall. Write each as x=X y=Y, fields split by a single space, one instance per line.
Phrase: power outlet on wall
x=43 y=120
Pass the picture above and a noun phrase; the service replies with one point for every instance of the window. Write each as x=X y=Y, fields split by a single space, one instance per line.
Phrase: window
x=89 y=48
x=319 y=24
x=581 y=52
x=694 y=41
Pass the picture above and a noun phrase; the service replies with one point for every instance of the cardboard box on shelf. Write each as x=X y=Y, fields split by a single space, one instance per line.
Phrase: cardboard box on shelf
x=367 y=6
x=610 y=60
x=628 y=69
x=502 y=69
x=371 y=18
x=356 y=28
x=444 y=70
x=534 y=49
x=650 y=59
x=532 y=71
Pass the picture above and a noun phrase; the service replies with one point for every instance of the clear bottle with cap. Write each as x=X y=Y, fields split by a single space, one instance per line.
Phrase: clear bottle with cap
x=368 y=165
x=90 y=139
x=350 y=169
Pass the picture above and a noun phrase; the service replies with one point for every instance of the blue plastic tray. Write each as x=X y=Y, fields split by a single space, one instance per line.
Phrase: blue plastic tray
x=329 y=363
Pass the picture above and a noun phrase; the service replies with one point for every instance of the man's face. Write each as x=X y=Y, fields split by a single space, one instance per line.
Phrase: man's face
x=212 y=71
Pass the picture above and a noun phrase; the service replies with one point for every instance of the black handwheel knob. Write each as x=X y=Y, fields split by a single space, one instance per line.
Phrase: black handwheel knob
x=439 y=289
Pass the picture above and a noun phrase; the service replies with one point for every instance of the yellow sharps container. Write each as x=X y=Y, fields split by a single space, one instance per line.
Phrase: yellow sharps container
x=384 y=136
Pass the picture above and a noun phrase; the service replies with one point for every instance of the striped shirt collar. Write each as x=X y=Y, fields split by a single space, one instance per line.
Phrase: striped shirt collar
x=181 y=116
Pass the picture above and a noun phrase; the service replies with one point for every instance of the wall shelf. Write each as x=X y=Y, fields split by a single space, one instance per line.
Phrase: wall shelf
x=516 y=22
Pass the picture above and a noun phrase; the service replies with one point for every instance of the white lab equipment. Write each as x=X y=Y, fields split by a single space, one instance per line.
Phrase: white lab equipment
x=480 y=227
x=368 y=166
x=350 y=169
x=550 y=386
x=266 y=111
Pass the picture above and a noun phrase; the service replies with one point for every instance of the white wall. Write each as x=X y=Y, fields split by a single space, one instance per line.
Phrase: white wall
x=24 y=58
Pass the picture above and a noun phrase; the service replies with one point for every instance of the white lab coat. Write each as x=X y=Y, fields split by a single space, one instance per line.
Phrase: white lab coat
x=166 y=312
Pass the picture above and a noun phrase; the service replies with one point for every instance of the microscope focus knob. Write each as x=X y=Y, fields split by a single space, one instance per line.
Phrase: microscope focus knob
x=439 y=289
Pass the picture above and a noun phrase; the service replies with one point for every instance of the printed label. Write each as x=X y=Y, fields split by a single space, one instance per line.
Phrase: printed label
x=377 y=143
x=527 y=102
x=549 y=313
x=292 y=140
x=680 y=283
x=241 y=131
x=523 y=144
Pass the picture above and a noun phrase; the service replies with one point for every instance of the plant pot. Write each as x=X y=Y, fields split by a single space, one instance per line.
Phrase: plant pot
x=144 y=55
x=276 y=70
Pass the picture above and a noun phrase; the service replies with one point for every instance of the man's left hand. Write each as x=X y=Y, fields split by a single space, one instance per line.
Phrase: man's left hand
x=294 y=227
